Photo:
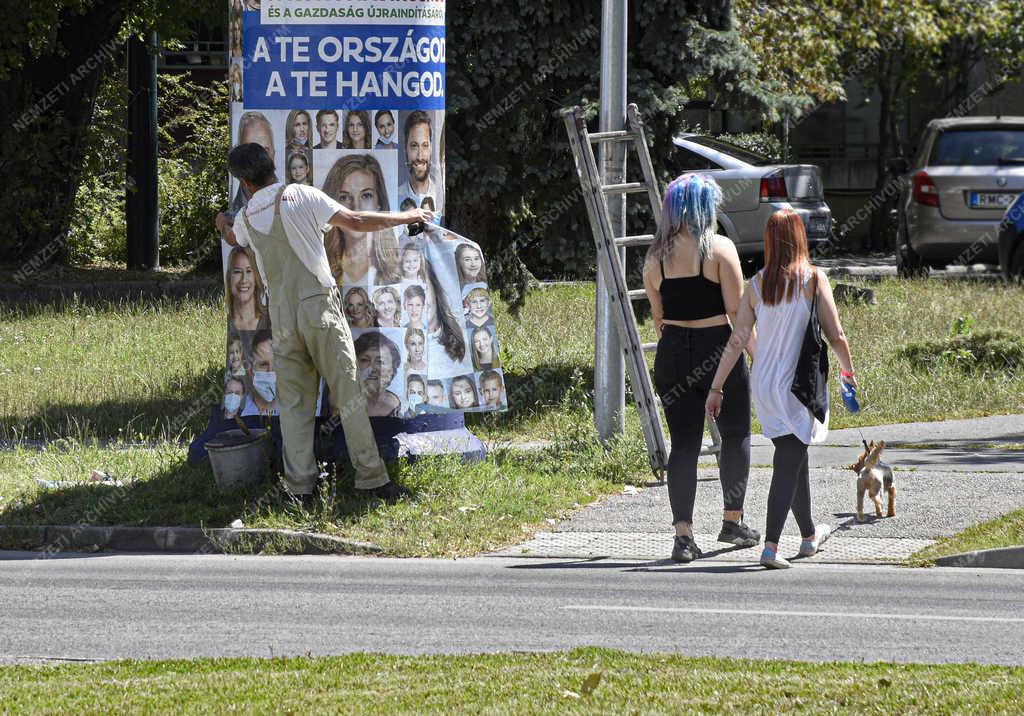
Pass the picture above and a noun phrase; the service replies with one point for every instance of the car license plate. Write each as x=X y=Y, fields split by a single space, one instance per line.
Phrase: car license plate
x=991 y=200
x=817 y=225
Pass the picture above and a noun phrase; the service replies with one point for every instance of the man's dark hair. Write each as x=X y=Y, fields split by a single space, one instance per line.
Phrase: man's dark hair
x=323 y=113
x=415 y=118
x=252 y=163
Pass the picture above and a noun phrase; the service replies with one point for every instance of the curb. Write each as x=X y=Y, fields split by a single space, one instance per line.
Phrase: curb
x=51 y=540
x=1001 y=558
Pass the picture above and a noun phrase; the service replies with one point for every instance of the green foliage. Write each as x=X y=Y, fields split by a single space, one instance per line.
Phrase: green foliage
x=513 y=66
x=194 y=140
x=988 y=349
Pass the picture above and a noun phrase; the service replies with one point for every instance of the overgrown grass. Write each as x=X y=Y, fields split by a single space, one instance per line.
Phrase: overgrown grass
x=136 y=371
x=1005 y=531
x=580 y=681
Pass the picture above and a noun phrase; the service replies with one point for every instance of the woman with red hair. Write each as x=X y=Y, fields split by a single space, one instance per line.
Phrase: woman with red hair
x=779 y=299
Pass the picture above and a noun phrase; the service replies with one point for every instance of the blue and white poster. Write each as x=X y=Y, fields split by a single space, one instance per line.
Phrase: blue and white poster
x=349 y=96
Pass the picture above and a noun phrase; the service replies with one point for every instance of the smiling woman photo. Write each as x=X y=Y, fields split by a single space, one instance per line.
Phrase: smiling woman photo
x=358 y=310
x=387 y=306
x=485 y=349
x=297 y=129
x=245 y=292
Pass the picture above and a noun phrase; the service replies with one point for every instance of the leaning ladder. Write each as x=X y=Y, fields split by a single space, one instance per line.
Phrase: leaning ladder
x=595 y=195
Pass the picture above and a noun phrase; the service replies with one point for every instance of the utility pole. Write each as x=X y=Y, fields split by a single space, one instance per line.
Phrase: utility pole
x=141 y=196
x=609 y=371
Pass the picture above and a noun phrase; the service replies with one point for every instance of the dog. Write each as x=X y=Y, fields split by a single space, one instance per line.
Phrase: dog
x=873 y=476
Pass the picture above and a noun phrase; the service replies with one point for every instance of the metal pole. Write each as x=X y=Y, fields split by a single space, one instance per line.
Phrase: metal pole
x=141 y=199
x=609 y=371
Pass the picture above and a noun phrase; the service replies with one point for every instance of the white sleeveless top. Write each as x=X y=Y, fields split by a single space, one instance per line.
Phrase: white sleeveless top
x=780 y=335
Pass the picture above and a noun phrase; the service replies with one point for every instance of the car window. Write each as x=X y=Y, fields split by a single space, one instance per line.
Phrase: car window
x=685 y=160
x=744 y=155
x=978 y=147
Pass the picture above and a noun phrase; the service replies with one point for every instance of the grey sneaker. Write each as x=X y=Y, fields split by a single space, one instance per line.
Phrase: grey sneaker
x=739 y=534
x=810 y=547
x=684 y=549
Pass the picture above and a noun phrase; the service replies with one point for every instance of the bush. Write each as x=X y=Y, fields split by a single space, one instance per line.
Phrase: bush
x=998 y=350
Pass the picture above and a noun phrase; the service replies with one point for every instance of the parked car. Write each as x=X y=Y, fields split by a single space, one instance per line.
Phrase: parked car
x=966 y=172
x=1011 y=241
x=754 y=187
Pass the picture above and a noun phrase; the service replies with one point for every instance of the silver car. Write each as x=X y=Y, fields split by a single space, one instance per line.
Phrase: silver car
x=965 y=174
x=754 y=187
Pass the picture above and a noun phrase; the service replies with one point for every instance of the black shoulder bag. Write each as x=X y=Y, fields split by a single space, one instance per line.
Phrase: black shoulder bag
x=810 y=381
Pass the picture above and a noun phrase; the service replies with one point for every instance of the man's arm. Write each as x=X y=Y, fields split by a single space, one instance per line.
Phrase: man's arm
x=365 y=221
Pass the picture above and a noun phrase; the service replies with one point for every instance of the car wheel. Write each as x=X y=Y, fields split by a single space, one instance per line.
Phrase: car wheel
x=908 y=261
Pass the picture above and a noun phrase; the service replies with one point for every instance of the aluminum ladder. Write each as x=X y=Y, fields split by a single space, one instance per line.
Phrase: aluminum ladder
x=595 y=195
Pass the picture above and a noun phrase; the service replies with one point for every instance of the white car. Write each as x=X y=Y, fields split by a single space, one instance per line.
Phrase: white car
x=754 y=187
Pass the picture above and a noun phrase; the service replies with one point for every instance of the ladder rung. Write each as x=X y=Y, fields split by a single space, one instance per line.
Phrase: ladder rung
x=620 y=136
x=639 y=240
x=637 y=295
x=633 y=187
x=649 y=347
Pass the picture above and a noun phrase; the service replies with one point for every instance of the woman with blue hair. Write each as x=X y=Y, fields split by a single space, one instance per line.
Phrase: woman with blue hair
x=694 y=282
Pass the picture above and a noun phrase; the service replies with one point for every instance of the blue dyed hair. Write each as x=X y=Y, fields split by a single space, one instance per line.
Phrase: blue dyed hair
x=691 y=202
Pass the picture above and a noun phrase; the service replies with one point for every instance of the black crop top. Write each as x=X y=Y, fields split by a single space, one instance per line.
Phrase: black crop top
x=690 y=298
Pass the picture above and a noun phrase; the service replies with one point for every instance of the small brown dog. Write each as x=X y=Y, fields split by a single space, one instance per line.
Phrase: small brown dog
x=874 y=476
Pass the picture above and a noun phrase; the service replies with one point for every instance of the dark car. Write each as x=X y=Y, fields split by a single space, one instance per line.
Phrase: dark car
x=1011 y=241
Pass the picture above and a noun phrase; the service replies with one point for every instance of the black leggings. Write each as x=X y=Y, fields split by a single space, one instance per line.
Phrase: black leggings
x=684 y=366
x=790 y=490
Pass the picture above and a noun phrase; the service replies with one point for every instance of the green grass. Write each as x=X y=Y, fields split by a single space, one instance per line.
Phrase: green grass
x=455 y=510
x=581 y=681
x=136 y=371
x=1004 y=531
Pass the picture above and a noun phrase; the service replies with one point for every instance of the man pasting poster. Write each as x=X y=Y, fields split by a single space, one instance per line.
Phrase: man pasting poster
x=352 y=103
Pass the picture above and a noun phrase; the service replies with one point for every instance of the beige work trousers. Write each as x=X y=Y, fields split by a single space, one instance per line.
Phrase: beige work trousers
x=312 y=339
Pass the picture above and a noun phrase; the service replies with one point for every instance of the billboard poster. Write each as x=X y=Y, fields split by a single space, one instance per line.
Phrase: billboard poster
x=349 y=96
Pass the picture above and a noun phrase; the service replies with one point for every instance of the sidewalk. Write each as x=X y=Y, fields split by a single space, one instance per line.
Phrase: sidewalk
x=955 y=475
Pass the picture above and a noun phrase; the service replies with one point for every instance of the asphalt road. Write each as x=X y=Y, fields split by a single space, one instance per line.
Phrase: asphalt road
x=119 y=606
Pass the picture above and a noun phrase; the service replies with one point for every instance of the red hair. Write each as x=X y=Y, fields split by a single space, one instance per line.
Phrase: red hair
x=785 y=257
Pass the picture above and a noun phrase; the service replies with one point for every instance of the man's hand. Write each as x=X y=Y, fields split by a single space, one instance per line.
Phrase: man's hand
x=417 y=216
x=226 y=220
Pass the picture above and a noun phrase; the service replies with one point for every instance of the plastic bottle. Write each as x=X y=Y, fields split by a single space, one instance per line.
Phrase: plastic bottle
x=849 y=394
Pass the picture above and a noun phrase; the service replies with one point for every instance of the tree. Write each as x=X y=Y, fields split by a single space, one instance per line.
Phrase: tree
x=512 y=67
x=53 y=56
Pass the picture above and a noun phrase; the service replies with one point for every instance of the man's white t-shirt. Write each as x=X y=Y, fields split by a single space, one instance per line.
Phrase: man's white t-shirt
x=305 y=212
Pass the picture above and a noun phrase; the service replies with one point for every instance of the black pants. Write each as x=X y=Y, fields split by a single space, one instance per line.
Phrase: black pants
x=684 y=366
x=790 y=490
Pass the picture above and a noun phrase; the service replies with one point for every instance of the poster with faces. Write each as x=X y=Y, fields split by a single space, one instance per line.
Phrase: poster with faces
x=419 y=307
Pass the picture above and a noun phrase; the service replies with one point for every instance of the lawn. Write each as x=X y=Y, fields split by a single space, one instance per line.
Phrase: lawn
x=130 y=372
x=581 y=681
x=1005 y=531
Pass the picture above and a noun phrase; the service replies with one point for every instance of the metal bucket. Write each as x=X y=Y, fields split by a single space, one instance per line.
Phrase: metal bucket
x=239 y=459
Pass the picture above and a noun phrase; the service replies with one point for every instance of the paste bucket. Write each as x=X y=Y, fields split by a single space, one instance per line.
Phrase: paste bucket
x=239 y=459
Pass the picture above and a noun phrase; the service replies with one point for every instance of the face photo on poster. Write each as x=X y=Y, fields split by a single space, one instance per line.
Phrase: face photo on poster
x=385 y=129
x=260 y=380
x=492 y=389
x=415 y=351
x=235 y=29
x=357 y=129
x=483 y=346
x=414 y=305
x=360 y=181
x=300 y=167
x=328 y=129
x=477 y=306
x=419 y=157
x=235 y=80
x=379 y=360
x=259 y=127
x=298 y=130
x=387 y=304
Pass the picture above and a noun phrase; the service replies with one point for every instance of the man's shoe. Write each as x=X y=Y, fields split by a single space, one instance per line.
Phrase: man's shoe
x=739 y=534
x=389 y=492
x=684 y=549
x=810 y=547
